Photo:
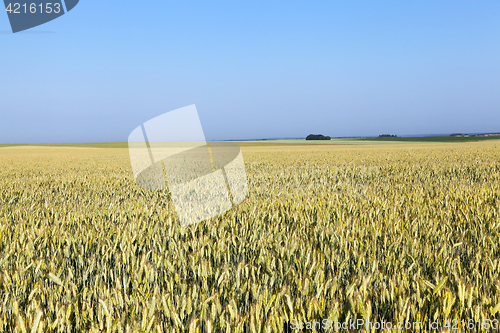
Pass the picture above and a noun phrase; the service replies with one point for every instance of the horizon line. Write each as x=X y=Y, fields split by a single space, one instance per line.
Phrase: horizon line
x=275 y=138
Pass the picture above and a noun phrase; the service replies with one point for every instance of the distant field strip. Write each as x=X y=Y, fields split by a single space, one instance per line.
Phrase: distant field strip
x=436 y=139
x=364 y=141
x=82 y=145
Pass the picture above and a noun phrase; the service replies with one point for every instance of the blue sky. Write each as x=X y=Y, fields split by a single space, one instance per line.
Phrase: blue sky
x=254 y=69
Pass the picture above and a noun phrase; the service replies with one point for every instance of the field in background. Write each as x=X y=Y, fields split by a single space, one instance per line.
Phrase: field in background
x=435 y=139
x=80 y=145
x=406 y=232
x=344 y=141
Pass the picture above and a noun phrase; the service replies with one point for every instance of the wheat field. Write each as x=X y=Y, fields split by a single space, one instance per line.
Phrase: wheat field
x=406 y=232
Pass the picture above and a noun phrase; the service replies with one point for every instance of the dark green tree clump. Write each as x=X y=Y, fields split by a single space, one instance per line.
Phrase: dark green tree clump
x=317 y=137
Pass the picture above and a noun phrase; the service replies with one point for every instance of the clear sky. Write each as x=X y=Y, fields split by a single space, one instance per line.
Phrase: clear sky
x=254 y=69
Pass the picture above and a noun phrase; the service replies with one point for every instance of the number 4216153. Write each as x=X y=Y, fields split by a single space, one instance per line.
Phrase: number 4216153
x=33 y=8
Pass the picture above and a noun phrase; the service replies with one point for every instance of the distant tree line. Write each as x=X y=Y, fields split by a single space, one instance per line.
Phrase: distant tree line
x=318 y=137
x=387 y=136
